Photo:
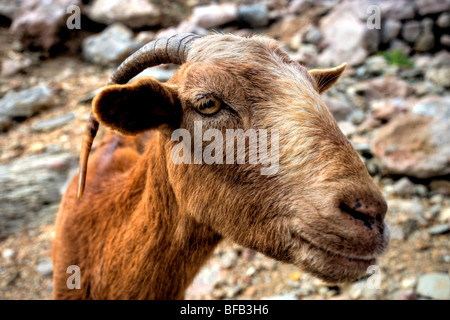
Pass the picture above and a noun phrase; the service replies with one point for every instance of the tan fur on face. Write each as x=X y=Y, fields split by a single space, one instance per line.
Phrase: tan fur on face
x=146 y=225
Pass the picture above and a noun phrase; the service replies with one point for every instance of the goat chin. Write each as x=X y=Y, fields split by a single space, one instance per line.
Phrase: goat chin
x=146 y=224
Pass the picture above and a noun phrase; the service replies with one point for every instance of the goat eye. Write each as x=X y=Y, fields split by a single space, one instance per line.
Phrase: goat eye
x=210 y=106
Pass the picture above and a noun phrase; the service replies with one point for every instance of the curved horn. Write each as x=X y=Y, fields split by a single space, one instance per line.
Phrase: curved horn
x=160 y=51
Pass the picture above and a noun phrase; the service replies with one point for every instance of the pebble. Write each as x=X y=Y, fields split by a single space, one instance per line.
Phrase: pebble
x=27 y=102
x=228 y=259
x=45 y=268
x=434 y=285
x=8 y=254
x=111 y=46
x=253 y=16
x=404 y=187
x=444 y=215
x=53 y=123
x=439 y=229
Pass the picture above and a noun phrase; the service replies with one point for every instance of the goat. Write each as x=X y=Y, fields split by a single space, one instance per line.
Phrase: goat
x=145 y=225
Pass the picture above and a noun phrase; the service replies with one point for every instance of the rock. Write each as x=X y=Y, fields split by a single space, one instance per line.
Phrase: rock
x=445 y=40
x=111 y=46
x=38 y=24
x=397 y=10
x=408 y=283
x=253 y=16
x=205 y=281
x=402 y=212
x=25 y=103
x=439 y=229
x=425 y=41
x=444 y=215
x=10 y=8
x=45 y=268
x=443 y=21
x=442 y=187
x=376 y=64
x=411 y=30
x=132 y=13
x=10 y=67
x=306 y=55
x=357 y=117
x=426 y=7
x=390 y=30
x=29 y=190
x=439 y=75
x=8 y=254
x=53 y=123
x=145 y=37
x=312 y=35
x=288 y=296
x=422 y=152
x=434 y=285
x=338 y=106
x=344 y=22
x=159 y=73
x=396 y=233
x=229 y=259
x=404 y=187
x=214 y=15
x=397 y=44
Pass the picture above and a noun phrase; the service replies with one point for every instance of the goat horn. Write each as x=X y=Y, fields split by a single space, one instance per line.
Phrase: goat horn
x=160 y=51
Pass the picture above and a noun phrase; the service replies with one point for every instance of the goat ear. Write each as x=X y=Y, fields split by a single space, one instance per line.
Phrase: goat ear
x=136 y=107
x=325 y=78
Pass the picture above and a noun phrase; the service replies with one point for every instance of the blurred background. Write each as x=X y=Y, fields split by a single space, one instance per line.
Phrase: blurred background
x=393 y=103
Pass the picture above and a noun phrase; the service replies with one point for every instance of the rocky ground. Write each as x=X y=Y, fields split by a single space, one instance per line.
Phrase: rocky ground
x=392 y=103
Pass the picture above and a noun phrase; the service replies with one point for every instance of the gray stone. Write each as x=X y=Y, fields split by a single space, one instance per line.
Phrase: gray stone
x=111 y=46
x=38 y=24
x=45 y=268
x=439 y=75
x=404 y=187
x=397 y=10
x=338 y=106
x=229 y=259
x=411 y=30
x=312 y=35
x=445 y=40
x=357 y=117
x=53 y=123
x=159 y=73
x=376 y=64
x=426 y=7
x=132 y=13
x=402 y=212
x=434 y=285
x=29 y=190
x=10 y=8
x=390 y=30
x=443 y=21
x=439 y=229
x=11 y=67
x=214 y=15
x=344 y=22
x=26 y=103
x=253 y=16
x=423 y=152
x=425 y=41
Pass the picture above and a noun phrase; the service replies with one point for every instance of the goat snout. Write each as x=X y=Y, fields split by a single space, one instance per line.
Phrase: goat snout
x=368 y=210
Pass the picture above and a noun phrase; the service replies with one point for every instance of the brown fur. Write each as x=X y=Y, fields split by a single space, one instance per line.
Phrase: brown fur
x=145 y=225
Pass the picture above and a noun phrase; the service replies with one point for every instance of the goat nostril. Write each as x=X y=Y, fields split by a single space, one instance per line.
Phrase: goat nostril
x=358 y=215
x=378 y=217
